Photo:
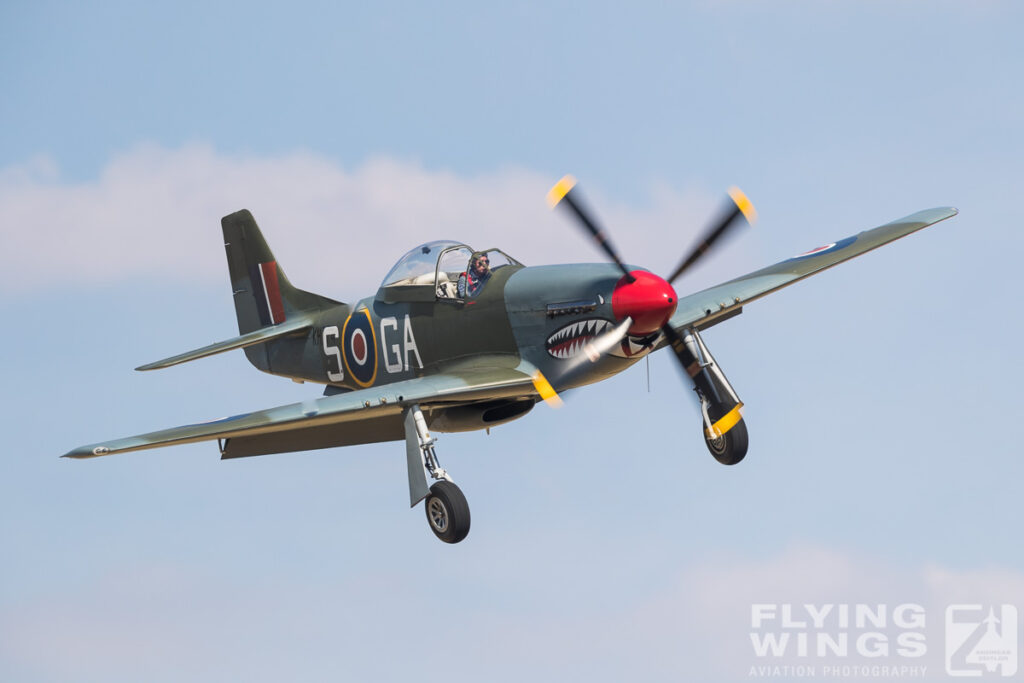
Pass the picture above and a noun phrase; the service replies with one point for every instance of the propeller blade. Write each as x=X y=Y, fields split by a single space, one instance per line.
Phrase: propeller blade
x=603 y=343
x=741 y=206
x=723 y=411
x=546 y=391
x=562 y=191
x=593 y=351
x=682 y=353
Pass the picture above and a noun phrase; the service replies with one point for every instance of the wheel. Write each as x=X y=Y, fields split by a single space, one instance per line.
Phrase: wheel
x=731 y=447
x=447 y=512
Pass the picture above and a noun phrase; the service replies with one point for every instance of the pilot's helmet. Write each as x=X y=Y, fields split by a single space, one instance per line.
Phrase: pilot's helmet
x=477 y=257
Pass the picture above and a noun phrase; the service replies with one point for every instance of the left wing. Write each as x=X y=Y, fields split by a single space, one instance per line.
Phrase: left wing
x=364 y=416
x=725 y=300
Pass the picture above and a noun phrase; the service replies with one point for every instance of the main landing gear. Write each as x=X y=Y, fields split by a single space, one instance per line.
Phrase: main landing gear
x=447 y=512
x=725 y=432
x=446 y=507
x=731 y=447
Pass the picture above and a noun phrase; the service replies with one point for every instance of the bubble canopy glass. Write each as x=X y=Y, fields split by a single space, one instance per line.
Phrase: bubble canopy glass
x=418 y=262
x=419 y=265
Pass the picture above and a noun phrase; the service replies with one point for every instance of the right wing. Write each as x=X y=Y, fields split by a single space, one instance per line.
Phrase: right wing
x=364 y=416
x=725 y=300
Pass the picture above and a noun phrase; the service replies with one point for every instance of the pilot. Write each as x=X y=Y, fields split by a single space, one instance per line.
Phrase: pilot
x=476 y=277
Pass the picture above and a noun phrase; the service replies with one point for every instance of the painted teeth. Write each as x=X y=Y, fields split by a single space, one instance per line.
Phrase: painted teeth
x=638 y=346
x=570 y=340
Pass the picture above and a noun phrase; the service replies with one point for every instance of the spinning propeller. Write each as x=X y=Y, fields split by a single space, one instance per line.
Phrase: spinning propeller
x=642 y=301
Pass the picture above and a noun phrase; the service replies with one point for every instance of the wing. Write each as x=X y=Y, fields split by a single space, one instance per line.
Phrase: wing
x=364 y=416
x=725 y=300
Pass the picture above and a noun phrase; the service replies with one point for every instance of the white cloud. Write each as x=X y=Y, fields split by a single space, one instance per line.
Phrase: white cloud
x=155 y=212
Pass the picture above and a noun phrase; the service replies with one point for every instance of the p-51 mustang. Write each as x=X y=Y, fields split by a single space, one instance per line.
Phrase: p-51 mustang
x=458 y=340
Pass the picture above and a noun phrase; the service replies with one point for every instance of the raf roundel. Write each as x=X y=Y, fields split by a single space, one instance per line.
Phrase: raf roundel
x=360 y=346
x=835 y=246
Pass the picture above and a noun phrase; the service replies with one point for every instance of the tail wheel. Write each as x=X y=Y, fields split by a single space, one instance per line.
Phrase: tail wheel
x=447 y=512
x=731 y=447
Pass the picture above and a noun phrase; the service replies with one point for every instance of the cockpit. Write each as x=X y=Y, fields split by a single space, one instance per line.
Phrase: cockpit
x=451 y=270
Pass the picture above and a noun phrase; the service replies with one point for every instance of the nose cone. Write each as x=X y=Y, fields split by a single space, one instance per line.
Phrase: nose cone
x=649 y=300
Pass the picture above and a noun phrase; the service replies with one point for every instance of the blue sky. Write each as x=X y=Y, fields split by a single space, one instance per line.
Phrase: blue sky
x=881 y=396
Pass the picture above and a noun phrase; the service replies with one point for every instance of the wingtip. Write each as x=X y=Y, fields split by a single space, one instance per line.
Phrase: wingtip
x=84 y=452
x=943 y=211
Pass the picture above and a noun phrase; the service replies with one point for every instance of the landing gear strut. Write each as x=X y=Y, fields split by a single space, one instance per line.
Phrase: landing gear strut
x=446 y=506
x=725 y=432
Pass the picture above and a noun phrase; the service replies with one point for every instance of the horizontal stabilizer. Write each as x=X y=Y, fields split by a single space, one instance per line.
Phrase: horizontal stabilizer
x=259 y=336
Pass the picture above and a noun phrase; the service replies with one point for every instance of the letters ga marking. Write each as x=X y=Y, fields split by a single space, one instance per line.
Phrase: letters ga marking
x=396 y=356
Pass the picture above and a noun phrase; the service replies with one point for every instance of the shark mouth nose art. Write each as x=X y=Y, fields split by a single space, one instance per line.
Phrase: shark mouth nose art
x=568 y=341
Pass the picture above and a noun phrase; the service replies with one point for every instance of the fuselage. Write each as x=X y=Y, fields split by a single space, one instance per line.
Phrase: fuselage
x=543 y=315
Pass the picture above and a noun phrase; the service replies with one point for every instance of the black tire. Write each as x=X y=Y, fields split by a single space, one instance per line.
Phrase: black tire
x=731 y=447
x=447 y=512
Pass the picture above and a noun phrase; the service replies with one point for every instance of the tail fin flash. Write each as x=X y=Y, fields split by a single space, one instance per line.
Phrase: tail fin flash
x=262 y=293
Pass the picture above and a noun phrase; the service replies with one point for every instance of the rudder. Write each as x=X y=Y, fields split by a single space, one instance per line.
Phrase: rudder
x=261 y=291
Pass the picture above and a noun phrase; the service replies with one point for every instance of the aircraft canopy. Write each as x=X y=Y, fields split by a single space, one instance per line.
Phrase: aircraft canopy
x=420 y=263
x=438 y=261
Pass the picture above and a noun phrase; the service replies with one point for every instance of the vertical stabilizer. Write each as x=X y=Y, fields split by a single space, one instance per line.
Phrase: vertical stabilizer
x=262 y=293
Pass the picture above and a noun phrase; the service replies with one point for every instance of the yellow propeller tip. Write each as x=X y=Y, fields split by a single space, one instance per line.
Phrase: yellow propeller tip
x=744 y=204
x=560 y=189
x=546 y=391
